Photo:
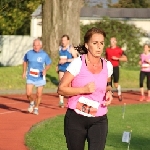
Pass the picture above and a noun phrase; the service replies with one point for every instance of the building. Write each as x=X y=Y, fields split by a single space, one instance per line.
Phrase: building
x=140 y=17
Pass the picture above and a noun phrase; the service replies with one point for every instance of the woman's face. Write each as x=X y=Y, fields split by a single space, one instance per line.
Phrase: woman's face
x=146 y=48
x=95 y=45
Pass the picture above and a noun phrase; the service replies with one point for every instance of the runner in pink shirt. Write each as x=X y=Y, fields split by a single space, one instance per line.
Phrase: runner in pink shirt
x=145 y=71
x=87 y=83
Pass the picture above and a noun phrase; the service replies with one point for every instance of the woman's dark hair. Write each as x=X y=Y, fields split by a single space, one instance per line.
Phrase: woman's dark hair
x=65 y=35
x=81 y=48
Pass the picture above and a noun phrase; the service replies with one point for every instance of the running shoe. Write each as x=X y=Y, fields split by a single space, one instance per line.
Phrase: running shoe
x=148 y=99
x=35 y=111
x=30 y=108
x=142 y=98
x=120 y=97
x=61 y=105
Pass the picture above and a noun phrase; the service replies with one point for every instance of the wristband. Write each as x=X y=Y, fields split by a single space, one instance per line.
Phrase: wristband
x=108 y=83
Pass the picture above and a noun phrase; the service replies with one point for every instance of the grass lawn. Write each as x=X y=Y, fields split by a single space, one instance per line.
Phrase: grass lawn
x=48 y=135
x=11 y=78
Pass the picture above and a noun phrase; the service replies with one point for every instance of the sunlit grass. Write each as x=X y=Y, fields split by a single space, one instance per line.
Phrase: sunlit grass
x=48 y=135
x=11 y=78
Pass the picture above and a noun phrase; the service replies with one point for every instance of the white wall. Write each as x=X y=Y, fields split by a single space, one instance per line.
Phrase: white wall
x=141 y=23
x=13 y=49
x=36 y=27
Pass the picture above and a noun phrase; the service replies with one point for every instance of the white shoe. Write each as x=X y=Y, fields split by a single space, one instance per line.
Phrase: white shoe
x=61 y=105
x=36 y=112
x=30 y=109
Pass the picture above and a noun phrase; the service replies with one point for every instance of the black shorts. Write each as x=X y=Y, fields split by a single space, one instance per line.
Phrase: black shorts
x=115 y=75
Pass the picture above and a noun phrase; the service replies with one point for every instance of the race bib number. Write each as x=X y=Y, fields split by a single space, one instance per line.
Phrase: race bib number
x=145 y=67
x=63 y=57
x=87 y=107
x=34 y=72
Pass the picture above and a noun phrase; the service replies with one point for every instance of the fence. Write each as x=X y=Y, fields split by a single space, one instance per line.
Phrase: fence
x=13 y=48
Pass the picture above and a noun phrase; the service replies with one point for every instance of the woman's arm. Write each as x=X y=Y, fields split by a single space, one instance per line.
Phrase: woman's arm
x=65 y=89
x=109 y=88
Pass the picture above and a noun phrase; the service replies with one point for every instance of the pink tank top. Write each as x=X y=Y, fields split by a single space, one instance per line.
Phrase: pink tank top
x=83 y=78
x=145 y=66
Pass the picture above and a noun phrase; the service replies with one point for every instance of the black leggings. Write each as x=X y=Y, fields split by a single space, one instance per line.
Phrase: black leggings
x=142 y=77
x=78 y=128
x=115 y=75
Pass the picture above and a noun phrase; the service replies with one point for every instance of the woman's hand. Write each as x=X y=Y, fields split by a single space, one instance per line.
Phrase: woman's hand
x=109 y=98
x=89 y=88
x=147 y=61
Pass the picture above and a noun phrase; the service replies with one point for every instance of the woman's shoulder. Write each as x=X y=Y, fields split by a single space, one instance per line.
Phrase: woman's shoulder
x=77 y=59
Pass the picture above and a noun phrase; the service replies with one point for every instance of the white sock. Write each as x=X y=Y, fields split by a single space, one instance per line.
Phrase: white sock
x=119 y=90
x=32 y=103
x=61 y=99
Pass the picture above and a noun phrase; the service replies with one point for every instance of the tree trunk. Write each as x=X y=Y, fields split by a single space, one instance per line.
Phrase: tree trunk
x=60 y=17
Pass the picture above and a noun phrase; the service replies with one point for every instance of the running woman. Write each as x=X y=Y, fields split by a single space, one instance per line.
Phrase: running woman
x=36 y=64
x=85 y=82
x=145 y=71
x=115 y=54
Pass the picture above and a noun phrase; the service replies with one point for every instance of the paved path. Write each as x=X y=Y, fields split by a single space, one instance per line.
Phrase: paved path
x=15 y=121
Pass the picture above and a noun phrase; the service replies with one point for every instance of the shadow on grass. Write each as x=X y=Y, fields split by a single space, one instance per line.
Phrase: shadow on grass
x=53 y=79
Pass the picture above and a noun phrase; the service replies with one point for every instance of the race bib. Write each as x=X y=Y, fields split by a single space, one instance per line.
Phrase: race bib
x=63 y=57
x=145 y=67
x=34 y=72
x=87 y=107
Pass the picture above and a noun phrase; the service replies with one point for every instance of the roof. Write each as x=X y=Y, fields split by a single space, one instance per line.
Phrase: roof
x=115 y=12
x=37 y=12
x=110 y=12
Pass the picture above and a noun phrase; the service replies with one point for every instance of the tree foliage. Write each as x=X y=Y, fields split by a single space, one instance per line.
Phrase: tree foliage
x=128 y=37
x=15 y=16
x=130 y=4
x=94 y=3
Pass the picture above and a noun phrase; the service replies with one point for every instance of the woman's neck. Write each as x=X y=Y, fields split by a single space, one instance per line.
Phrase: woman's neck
x=146 y=53
x=93 y=60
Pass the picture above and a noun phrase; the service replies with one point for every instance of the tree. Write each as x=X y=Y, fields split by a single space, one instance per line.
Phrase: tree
x=60 y=17
x=128 y=35
x=131 y=4
x=15 y=16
